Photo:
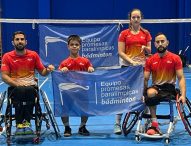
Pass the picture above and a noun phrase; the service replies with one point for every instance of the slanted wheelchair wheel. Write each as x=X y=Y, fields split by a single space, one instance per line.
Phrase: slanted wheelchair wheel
x=50 y=113
x=129 y=122
x=2 y=98
x=185 y=114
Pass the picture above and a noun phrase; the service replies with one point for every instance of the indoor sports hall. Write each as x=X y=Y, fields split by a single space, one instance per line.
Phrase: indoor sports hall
x=48 y=23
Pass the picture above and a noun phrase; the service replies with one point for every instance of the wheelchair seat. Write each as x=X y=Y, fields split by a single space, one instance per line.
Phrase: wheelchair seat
x=29 y=100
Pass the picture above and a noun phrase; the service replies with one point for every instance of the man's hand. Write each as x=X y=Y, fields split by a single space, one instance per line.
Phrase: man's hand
x=50 y=68
x=182 y=98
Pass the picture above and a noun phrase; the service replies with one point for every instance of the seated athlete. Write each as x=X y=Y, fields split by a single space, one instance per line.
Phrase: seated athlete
x=164 y=67
x=18 y=71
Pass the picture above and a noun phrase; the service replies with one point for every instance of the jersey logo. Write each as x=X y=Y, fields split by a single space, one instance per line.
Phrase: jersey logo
x=169 y=61
x=155 y=62
x=69 y=64
x=15 y=61
x=29 y=59
x=81 y=63
x=142 y=37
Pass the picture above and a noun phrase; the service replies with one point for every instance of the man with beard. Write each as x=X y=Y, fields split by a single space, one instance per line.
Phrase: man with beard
x=18 y=71
x=164 y=67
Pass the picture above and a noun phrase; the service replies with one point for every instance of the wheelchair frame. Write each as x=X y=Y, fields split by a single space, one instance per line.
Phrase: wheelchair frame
x=38 y=116
x=184 y=114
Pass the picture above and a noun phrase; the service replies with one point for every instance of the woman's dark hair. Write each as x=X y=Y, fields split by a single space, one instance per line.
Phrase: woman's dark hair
x=129 y=17
x=130 y=13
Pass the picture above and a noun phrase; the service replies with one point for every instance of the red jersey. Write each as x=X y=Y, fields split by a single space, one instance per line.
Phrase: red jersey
x=164 y=68
x=76 y=64
x=22 y=68
x=133 y=44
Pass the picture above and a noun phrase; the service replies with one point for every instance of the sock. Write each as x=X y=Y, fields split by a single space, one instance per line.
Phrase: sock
x=154 y=122
x=66 y=124
x=118 y=119
x=154 y=119
x=82 y=124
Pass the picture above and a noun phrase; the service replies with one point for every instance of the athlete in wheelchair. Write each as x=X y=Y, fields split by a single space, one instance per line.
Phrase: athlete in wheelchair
x=165 y=67
x=18 y=71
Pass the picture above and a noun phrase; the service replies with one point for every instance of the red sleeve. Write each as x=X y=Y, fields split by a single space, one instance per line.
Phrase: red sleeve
x=88 y=63
x=178 y=62
x=148 y=65
x=5 y=63
x=39 y=66
x=62 y=64
x=122 y=36
x=148 y=38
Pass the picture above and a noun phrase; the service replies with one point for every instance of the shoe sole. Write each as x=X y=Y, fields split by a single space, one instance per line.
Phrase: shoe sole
x=67 y=135
x=29 y=133
x=118 y=133
x=84 y=134
x=18 y=134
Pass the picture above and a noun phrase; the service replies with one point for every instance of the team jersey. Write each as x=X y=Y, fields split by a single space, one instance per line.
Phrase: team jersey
x=133 y=44
x=163 y=69
x=22 y=68
x=76 y=64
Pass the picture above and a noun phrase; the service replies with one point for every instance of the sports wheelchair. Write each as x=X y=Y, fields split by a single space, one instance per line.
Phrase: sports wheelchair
x=38 y=116
x=142 y=119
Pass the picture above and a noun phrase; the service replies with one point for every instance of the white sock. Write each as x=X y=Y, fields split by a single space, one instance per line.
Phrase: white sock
x=118 y=119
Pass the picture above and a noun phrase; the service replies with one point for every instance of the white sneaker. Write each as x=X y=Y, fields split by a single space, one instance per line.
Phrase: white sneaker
x=117 y=129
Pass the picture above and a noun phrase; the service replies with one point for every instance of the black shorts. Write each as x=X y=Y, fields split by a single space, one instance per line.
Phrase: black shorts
x=166 y=92
x=23 y=93
x=23 y=99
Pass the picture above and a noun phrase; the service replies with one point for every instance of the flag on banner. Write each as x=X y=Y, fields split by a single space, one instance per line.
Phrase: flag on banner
x=103 y=92
x=99 y=43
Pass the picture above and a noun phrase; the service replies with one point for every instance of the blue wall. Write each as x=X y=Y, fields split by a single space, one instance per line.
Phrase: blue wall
x=178 y=34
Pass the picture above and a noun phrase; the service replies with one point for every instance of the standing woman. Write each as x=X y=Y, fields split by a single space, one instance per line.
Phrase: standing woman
x=133 y=44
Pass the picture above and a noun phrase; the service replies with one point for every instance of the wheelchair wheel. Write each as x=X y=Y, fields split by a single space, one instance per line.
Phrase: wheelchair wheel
x=38 y=119
x=129 y=122
x=50 y=113
x=185 y=114
x=8 y=119
x=2 y=98
x=2 y=117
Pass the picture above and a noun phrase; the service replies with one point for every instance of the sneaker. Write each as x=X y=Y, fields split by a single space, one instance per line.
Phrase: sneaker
x=27 y=128
x=117 y=129
x=28 y=131
x=154 y=129
x=20 y=130
x=83 y=131
x=67 y=131
x=26 y=124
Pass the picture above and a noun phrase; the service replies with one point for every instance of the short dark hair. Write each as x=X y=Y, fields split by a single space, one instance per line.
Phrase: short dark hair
x=160 y=33
x=18 y=32
x=135 y=9
x=74 y=37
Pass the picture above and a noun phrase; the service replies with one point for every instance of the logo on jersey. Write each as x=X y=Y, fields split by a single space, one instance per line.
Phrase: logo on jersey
x=29 y=59
x=155 y=62
x=15 y=61
x=169 y=61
